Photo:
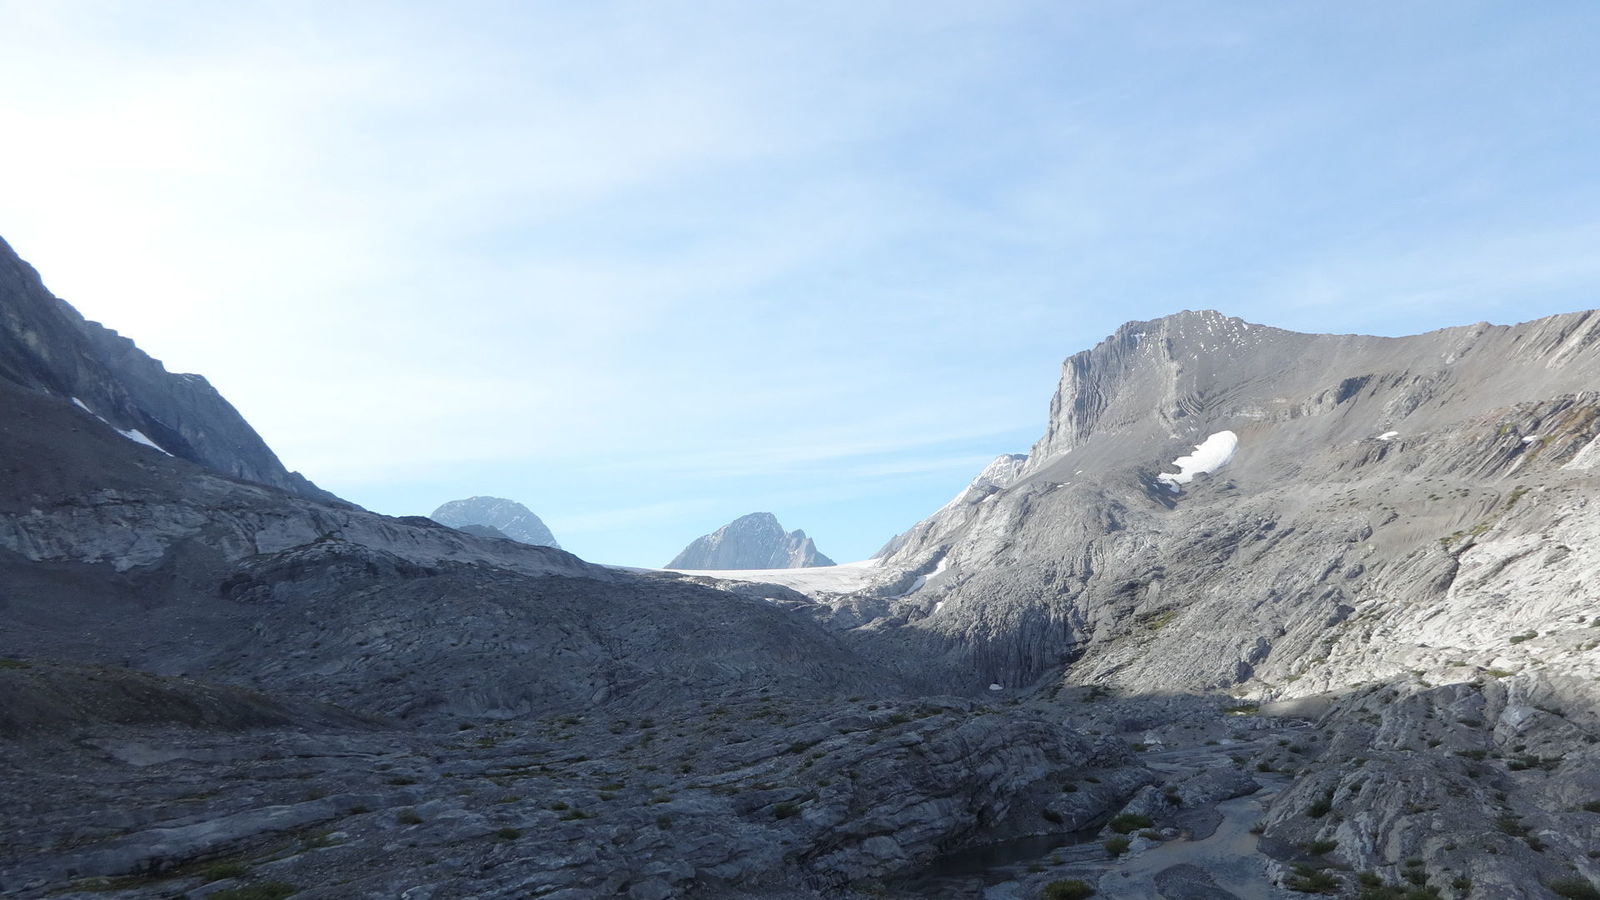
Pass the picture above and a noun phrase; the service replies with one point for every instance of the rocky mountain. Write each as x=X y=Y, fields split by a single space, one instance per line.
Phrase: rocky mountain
x=755 y=541
x=510 y=518
x=1391 y=532
x=1262 y=614
x=47 y=346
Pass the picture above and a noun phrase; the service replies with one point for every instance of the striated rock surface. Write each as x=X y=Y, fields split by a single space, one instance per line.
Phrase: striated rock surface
x=506 y=517
x=755 y=541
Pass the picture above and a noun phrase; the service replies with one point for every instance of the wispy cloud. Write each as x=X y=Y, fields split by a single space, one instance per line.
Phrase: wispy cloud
x=644 y=264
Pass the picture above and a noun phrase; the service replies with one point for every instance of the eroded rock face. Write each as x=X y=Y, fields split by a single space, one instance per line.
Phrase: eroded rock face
x=1386 y=497
x=755 y=541
x=508 y=517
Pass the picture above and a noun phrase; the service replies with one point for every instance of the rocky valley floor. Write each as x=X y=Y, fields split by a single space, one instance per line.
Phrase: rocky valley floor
x=1436 y=791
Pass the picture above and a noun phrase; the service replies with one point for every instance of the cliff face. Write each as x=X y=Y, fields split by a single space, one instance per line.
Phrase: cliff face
x=510 y=518
x=45 y=345
x=755 y=541
x=1365 y=481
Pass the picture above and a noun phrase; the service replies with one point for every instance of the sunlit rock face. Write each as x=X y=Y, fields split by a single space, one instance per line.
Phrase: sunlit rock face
x=755 y=541
x=510 y=518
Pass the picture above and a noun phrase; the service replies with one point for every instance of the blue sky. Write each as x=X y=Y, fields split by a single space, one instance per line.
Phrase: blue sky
x=649 y=266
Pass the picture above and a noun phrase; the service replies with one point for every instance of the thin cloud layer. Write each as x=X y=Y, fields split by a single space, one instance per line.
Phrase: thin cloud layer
x=649 y=266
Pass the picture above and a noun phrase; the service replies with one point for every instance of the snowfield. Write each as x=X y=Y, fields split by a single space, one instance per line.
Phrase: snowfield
x=840 y=579
x=1209 y=455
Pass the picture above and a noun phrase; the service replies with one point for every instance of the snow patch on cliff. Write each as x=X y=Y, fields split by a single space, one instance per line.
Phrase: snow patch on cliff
x=1209 y=455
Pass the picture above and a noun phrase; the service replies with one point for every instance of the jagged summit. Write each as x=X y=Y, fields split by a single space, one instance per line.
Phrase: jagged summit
x=510 y=518
x=1183 y=377
x=755 y=541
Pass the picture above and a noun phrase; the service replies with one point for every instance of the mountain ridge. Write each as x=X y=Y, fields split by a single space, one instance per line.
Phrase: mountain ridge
x=47 y=345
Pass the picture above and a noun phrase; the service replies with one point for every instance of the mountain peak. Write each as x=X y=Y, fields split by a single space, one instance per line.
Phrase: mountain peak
x=509 y=517
x=752 y=541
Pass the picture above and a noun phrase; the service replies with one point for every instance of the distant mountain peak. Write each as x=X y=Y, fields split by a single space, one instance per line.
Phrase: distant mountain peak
x=753 y=541
x=510 y=518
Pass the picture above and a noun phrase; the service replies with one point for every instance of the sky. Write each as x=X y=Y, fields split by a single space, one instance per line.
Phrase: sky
x=646 y=267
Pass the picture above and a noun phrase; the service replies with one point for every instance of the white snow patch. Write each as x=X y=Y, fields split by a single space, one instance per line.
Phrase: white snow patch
x=138 y=437
x=133 y=434
x=1388 y=435
x=938 y=606
x=840 y=579
x=1209 y=455
x=1530 y=439
x=996 y=687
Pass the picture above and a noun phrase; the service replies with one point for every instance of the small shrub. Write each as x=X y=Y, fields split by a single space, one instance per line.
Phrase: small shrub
x=224 y=871
x=785 y=811
x=1116 y=846
x=1307 y=880
x=1317 y=848
x=264 y=890
x=508 y=834
x=1071 y=889
x=1321 y=807
x=1128 y=822
x=1511 y=825
x=1573 y=888
x=408 y=817
x=8 y=663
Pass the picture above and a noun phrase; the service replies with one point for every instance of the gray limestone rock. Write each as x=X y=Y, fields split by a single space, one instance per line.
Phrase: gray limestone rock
x=755 y=541
x=508 y=517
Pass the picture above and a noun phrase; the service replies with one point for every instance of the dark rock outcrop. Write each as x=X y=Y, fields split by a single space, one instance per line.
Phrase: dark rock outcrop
x=45 y=345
